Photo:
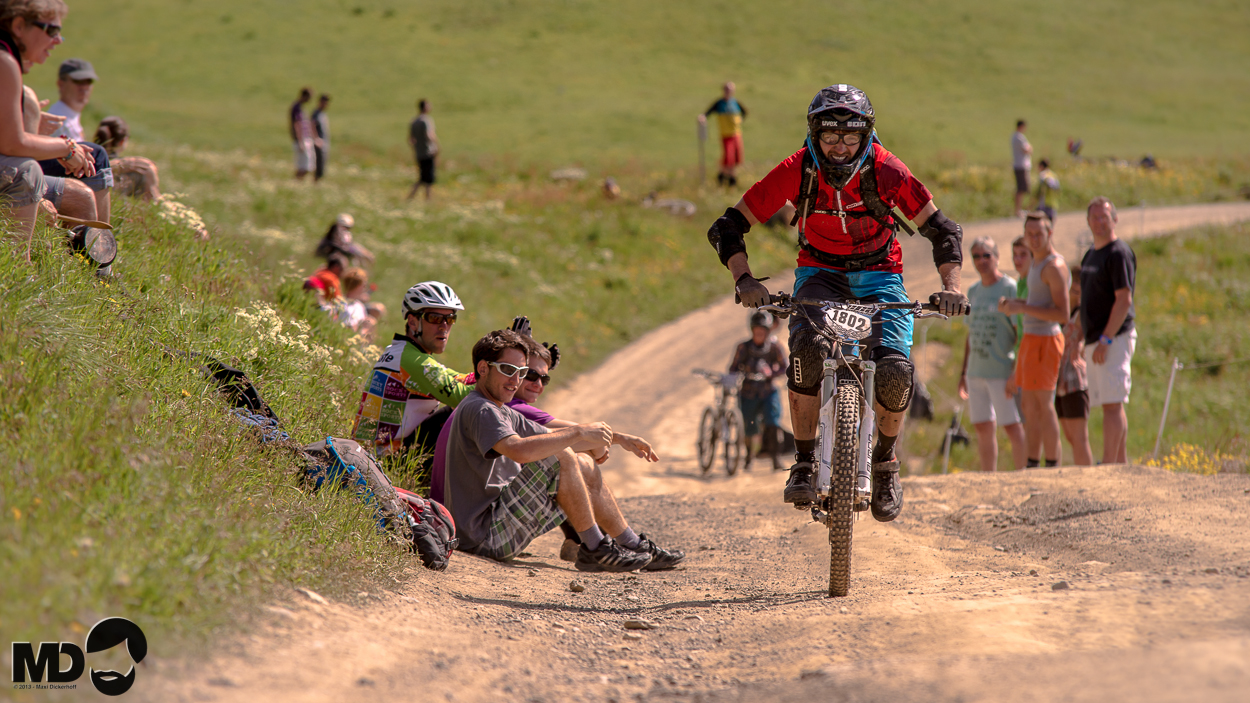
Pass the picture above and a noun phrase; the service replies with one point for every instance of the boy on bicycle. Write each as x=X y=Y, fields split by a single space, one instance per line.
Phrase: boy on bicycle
x=759 y=360
x=845 y=186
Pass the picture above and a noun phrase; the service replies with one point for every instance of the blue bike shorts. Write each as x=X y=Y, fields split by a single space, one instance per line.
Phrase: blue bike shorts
x=891 y=328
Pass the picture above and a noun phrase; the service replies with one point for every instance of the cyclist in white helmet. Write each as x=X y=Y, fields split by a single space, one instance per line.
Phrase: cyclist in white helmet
x=410 y=395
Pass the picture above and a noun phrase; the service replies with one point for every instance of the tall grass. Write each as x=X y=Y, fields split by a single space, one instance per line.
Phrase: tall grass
x=129 y=490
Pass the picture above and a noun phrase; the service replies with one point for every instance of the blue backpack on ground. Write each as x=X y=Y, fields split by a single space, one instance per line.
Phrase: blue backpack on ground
x=423 y=525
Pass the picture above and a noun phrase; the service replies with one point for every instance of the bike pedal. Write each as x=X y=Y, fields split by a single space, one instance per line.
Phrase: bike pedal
x=803 y=506
x=861 y=507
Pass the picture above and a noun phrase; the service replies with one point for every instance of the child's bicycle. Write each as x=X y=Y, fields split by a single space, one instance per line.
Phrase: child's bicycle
x=843 y=442
x=721 y=424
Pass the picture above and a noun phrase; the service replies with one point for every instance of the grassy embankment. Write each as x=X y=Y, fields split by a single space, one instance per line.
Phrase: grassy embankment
x=1192 y=303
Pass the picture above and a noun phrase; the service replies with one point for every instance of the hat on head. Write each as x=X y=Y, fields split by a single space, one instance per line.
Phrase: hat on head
x=346 y=220
x=77 y=70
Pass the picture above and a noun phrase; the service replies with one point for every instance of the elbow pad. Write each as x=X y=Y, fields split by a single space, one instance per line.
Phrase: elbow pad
x=725 y=234
x=947 y=238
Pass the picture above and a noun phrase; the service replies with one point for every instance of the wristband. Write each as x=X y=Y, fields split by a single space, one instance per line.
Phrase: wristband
x=1105 y=340
x=69 y=142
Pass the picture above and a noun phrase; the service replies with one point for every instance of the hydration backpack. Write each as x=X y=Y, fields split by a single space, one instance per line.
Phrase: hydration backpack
x=423 y=525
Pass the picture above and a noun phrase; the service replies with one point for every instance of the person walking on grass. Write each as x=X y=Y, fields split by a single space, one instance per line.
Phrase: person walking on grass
x=424 y=143
x=729 y=115
x=1021 y=162
x=1108 y=279
x=1041 y=350
x=321 y=137
x=989 y=357
x=301 y=134
x=1072 y=392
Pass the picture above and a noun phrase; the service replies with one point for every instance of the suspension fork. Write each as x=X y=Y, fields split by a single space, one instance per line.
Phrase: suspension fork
x=828 y=398
x=867 y=416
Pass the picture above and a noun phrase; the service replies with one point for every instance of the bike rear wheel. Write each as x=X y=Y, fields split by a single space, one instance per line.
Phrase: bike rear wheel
x=735 y=450
x=707 y=439
x=841 y=509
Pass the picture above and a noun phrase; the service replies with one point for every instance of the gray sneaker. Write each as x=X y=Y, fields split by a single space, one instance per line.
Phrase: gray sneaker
x=610 y=556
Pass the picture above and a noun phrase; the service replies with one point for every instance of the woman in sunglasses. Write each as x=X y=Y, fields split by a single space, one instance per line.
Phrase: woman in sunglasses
x=29 y=30
x=409 y=394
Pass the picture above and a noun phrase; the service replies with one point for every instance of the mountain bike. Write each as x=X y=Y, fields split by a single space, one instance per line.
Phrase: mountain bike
x=721 y=424
x=847 y=419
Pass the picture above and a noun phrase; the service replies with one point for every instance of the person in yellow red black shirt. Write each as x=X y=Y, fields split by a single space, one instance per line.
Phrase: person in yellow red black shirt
x=729 y=115
x=410 y=395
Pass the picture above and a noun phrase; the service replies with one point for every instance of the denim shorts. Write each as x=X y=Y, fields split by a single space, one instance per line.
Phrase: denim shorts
x=21 y=181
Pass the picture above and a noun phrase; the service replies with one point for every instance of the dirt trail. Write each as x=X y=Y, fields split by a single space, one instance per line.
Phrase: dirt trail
x=1120 y=583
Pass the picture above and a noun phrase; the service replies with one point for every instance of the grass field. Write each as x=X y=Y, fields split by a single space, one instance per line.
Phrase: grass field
x=1192 y=303
x=554 y=81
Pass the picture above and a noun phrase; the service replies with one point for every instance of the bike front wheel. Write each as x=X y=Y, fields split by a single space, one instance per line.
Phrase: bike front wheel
x=843 y=472
x=707 y=440
x=735 y=449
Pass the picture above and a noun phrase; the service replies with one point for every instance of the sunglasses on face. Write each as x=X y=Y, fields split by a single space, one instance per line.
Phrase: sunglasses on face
x=52 y=30
x=508 y=370
x=976 y=257
x=535 y=377
x=436 y=318
x=832 y=138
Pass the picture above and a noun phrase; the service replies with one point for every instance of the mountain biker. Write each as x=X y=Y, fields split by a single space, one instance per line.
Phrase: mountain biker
x=760 y=360
x=410 y=395
x=845 y=186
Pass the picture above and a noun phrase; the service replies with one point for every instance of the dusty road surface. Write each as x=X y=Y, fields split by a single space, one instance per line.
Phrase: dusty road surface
x=1093 y=584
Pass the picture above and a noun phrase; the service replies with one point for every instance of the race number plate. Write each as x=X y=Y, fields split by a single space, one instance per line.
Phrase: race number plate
x=848 y=323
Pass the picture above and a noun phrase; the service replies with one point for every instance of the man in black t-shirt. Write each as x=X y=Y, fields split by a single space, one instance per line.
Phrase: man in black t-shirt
x=1108 y=279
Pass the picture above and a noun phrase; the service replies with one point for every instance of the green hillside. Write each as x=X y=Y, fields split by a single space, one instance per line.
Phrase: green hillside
x=553 y=81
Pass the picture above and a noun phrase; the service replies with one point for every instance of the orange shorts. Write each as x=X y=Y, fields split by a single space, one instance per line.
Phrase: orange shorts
x=1037 y=365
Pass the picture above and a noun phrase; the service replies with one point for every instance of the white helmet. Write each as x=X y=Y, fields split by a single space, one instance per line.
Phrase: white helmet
x=430 y=294
x=345 y=220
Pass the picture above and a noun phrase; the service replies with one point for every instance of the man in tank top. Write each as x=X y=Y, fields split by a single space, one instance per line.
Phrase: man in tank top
x=1041 y=351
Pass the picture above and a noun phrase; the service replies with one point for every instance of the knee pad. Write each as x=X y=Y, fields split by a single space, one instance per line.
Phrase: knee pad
x=807 y=359
x=894 y=382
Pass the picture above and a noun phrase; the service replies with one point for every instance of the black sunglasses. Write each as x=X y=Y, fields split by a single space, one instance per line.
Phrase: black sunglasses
x=982 y=256
x=52 y=30
x=533 y=376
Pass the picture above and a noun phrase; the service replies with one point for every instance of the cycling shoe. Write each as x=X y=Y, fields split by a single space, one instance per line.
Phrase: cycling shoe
x=887 y=491
x=799 y=489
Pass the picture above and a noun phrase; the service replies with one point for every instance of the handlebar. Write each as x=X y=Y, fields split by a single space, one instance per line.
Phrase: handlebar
x=786 y=303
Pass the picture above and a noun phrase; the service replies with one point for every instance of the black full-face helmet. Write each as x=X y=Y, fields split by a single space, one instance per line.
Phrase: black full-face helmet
x=841 y=108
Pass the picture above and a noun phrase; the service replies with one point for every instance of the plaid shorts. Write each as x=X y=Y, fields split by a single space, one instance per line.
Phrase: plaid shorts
x=525 y=510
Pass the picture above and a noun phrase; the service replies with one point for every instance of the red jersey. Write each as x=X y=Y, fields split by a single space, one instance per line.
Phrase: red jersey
x=843 y=236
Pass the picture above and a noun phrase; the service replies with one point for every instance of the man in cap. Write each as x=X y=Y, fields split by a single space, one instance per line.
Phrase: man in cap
x=74 y=81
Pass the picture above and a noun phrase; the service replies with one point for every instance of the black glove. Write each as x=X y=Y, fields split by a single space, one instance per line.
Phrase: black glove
x=554 y=350
x=521 y=325
x=750 y=291
x=951 y=303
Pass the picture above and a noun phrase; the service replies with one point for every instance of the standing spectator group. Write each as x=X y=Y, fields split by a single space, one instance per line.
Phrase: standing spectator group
x=1060 y=341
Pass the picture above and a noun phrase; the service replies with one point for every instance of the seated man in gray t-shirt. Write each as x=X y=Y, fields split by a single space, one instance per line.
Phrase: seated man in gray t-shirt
x=510 y=480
